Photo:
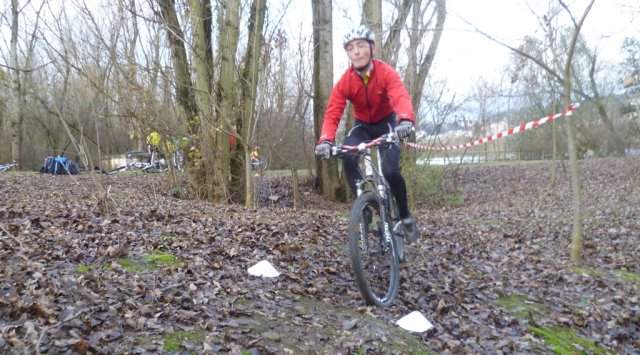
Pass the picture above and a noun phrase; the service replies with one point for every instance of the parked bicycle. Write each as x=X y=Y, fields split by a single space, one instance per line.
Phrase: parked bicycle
x=178 y=160
x=7 y=167
x=375 y=232
x=150 y=164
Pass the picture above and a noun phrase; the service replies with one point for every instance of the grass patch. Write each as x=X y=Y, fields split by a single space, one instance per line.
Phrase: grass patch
x=151 y=261
x=585 y=271
x=562 y=340
x=624 y=274
x=628 y=276
x=493 y=223
x=162 y=259
x=82 y=269
x=521 y=306
x=173 y=341
x=453 y=200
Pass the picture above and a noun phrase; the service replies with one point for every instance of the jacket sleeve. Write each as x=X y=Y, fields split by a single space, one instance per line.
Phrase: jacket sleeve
x=333 y=113
x=400 y=98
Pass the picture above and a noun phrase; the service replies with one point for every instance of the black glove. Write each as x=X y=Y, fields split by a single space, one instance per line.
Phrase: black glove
x=404 y=129
x=324 y=150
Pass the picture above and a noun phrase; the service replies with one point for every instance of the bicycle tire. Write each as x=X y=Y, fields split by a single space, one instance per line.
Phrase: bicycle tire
x=374 y=260
x=117 y=170
x=154 y=169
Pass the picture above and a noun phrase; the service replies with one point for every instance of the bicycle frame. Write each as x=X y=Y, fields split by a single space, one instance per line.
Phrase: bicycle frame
x=7 y=167
x=374 y=195
x=372 y=175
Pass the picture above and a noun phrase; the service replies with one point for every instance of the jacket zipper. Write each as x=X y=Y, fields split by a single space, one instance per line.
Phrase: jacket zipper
x=366 y=95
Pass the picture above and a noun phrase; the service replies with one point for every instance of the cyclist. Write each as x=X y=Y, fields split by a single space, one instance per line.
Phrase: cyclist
x=380 y=100
x=153 y=141
x=255 y=157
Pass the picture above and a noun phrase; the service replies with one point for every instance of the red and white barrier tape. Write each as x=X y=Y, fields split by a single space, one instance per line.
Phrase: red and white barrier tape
x=514 y=130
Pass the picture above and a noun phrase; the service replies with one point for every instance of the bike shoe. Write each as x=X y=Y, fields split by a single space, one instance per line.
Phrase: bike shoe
x=411 y=232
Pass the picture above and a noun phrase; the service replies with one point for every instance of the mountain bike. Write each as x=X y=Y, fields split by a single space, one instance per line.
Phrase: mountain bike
x=376 y=236
x=151 y=165
x=155 y=163
x=7 y=167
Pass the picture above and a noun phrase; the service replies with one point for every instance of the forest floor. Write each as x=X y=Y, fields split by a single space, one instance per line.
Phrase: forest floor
x=97 y=264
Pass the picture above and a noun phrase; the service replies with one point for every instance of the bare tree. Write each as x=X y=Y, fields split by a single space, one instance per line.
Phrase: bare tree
x=225 y=100
x=201 y=17
x=326 y=171
x=245 y=122
x=16 y=117
x=576 y=235
x=184 y=84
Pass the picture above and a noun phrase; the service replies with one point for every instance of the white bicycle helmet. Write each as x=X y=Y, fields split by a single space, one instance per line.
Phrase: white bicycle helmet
x=361 y=32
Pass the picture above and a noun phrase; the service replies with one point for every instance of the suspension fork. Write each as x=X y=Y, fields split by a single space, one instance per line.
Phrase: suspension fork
x=385 y=213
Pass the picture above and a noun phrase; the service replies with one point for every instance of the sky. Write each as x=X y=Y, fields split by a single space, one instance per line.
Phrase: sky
x=464 y=55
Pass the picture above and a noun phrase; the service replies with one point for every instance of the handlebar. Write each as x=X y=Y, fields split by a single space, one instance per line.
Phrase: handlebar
x=387 y=139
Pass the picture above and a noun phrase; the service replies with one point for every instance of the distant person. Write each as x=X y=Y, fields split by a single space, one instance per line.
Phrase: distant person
x=255 y=158
x=380 y=101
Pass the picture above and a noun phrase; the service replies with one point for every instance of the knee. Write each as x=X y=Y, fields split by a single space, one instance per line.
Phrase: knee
x=391 y=172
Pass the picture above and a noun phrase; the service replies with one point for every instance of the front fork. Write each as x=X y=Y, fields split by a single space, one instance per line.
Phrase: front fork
x=384 y=214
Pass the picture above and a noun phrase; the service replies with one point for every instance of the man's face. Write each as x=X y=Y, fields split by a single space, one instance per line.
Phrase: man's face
x=359 y=52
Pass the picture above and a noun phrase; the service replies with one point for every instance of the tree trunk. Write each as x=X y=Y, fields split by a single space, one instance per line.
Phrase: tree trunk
x=203 y=63
x=184 y=86
x=249 y=88
x=576 y=189
x=16 y=116
x=554 y=152
x=418 y=68
x=327 y=178
x=372 y=18
x=226 y=101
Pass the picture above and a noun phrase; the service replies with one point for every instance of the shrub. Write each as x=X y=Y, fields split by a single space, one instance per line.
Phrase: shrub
x=429 y=186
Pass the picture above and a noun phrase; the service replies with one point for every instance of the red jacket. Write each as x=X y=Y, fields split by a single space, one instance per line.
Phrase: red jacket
x=383 y=94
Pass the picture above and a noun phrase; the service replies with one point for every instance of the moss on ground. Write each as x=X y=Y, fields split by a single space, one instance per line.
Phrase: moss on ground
x=627 y=276
x=521 y=306
x=173 y=340
x=83 y=269
x=150 y=261
x=623 y=274
x=563 y=340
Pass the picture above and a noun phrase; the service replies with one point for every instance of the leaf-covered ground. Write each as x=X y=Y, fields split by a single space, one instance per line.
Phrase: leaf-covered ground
x=96 y=264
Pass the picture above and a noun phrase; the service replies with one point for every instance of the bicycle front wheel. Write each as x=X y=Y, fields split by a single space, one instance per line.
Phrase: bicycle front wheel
x=374 y=255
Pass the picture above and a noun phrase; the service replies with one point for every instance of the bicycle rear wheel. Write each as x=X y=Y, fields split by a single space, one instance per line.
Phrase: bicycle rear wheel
x=374 y=255
x=117 y=170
